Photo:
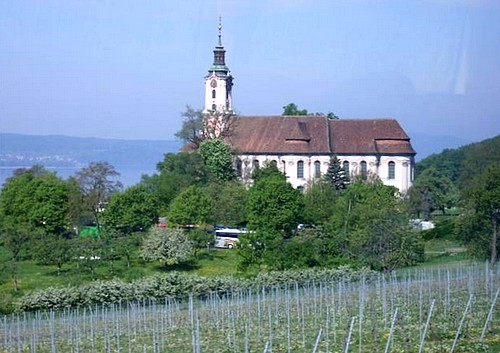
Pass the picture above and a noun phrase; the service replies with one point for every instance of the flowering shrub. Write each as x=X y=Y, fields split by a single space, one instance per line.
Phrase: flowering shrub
x=174 y=284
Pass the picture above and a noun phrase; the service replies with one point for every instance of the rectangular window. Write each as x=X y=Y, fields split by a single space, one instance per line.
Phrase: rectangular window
x=300 y=170
x=392 y=170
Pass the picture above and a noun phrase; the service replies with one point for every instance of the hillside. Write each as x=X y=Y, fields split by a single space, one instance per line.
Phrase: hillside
x=18 y=150
x=464 y=163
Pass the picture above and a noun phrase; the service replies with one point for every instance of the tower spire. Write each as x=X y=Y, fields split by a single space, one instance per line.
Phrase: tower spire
x=220 y=31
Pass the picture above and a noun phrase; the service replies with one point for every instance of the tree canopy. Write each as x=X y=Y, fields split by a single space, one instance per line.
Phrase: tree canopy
x=218 y=158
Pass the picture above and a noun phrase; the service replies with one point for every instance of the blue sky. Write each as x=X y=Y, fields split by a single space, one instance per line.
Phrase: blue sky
x=127 y=69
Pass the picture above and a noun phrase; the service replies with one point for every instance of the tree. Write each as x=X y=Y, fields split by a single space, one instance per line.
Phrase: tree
x=170 y=246
x=135 y=209
x=319 y=203
x=54 y=250
x=176 y=172
x=438 y=192
x=14 y=240
x=36 y=200
x=192 y=126
x=336 y=176
x=97 y=183
x=218 y=158
x=371 y=220
x=230 y=202
x=486 y=198
x=191 y=206
x=293 y=109
x=274 y=205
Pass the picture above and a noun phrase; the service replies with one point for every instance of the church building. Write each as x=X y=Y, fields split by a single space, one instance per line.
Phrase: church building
x=301 y=146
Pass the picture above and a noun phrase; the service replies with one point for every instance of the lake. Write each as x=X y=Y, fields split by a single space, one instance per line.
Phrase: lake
x=128 y=175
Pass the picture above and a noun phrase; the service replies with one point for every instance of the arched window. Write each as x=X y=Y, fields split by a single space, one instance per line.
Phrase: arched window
x=283 y=165
x=300 y=170
x=345 y=166
x=274 y=163
x=392 y=170
x=214 y=107
x=255 y=164
x=364 y=169
x=213 y=93
x=317 y=169
x=238 y=167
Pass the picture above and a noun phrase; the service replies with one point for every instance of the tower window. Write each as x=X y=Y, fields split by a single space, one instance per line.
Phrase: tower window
x=214 y=107
x=317 y=169
x=300 y=170
x=213 y=93
x=392 y=170
x=364 y=168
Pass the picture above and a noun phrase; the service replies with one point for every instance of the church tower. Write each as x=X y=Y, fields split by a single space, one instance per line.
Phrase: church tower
x=218 y=83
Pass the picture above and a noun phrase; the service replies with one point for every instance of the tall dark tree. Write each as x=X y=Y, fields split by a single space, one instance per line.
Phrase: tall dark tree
x=486 y=198
x=336 y=176
x=98 y=181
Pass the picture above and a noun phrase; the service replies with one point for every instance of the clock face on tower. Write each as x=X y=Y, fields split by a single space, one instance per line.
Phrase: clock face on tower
x=213 y=83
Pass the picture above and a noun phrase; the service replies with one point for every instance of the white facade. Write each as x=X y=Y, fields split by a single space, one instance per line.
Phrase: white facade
x=217 y=94
x=302 y=175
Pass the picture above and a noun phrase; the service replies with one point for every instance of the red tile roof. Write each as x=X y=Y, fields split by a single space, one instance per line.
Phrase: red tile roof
x=317 y=135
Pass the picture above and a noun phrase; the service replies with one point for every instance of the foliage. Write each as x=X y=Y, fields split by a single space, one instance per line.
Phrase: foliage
x=175 y=284
x=192 y=125
x=319 y=203
x=267 y=170
x=437 y=192
x=336 y=176
x=293 y=109
x=171 y=246
x=54 y=250
x=191 y=206
x=274 y=205
x=485 y=200
x=370 y=219
x=14 y=239
x=176 y=172
x=35 y=199
x=98 y=181
x=229 y=201
x=218 y=158
x=135 y=209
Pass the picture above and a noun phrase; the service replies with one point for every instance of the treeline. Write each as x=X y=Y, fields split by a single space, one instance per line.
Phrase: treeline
x=467 y=180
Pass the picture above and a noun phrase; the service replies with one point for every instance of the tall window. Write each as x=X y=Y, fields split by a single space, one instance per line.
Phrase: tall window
x=213 y=93
x=255 y=164
x=317 y=169
x=300 y=170
x=345 y=166
x=392 y=170
x=238 y=167
x=364 y=169
x=283 y=164
x=274 y=163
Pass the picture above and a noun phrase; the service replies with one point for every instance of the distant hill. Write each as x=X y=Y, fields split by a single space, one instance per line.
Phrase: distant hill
x=463 y=164
x=18 y=150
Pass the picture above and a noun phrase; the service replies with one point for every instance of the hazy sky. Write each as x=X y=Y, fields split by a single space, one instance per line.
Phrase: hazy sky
x=127 y=69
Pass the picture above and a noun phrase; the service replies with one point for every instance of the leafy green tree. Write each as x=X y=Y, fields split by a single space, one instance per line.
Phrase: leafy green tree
x=36 y=201
x=171 y=246
x=267 y=170
x=191 y=206
x=14 y=240
x=336 y=176
x=135 y=209
x=372 y=220
x=486 y=200
x=230 y=202
x=192 y=126
x=274 y=205
x=98 y=181
x=293 y=109
x=176 y=172
x=218 y=158
x=437 y=191
x=54 y=250
x=319 y=203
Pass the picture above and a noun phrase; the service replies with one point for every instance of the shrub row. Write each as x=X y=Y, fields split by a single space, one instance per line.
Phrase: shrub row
x=173 y=284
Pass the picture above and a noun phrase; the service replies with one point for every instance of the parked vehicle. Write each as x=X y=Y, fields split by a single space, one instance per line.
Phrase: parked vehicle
x=228 y=238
